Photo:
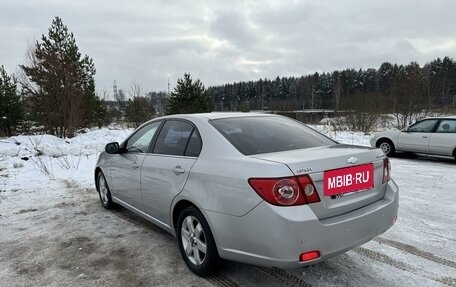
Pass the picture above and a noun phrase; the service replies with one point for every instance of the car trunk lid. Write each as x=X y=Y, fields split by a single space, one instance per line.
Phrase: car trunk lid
x=334 y=171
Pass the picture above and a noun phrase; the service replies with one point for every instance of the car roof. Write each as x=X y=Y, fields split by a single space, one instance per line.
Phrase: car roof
x=445 y=117
x=219 y=115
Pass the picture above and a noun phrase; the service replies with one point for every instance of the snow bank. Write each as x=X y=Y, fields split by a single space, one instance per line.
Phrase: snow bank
x=41 y=158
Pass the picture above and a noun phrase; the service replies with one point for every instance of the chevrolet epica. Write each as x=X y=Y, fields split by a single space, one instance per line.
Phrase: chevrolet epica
x=254 y=188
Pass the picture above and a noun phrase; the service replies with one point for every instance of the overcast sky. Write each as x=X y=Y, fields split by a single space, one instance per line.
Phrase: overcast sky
x=226 y=41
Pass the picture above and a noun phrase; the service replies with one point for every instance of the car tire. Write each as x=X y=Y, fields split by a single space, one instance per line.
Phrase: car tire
x=104 y=192
x=196 y=243
x=386 y=146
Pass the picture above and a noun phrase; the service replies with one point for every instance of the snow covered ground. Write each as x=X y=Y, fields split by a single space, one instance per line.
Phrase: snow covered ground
x=54 y=232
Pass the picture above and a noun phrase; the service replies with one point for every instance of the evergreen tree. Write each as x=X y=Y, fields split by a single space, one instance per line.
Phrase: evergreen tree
x=188 y=97
x=11 y=111
x=139 y=110
x=61 y=82
x=98 y=115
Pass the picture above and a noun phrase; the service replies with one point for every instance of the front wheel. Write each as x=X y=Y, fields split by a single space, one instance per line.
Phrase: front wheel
x=196 y=243
x=387 y=147
x=103 y=191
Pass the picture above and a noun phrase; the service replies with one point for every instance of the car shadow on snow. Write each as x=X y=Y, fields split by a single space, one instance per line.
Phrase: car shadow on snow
x=138 y=221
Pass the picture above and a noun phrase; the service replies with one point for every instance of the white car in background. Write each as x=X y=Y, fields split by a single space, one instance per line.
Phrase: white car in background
x=436 y=136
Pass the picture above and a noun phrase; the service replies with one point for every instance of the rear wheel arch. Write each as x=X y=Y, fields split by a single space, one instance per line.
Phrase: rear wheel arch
x=178 y=208
x=454 y=153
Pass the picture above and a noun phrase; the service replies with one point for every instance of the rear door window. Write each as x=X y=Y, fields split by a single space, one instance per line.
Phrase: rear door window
x=447 y=126
x=174 y=137
x=194 y=145
x=255 y=135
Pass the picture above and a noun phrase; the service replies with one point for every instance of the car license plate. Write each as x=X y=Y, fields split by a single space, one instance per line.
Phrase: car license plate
x=348 y=179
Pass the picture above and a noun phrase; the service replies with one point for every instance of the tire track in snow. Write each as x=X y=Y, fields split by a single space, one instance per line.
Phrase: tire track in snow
x=284 y=277
x=415 y=251
x=385 y=259
x=221 y=280
x=380 y=257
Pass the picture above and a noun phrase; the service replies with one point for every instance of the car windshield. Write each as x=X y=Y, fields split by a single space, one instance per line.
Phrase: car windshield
x=256 y=135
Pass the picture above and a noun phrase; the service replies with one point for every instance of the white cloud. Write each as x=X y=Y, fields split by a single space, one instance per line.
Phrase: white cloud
x=219 y=41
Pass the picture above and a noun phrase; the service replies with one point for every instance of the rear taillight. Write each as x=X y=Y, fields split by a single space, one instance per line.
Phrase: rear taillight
x=386 y=170
x=310 y=192
x=285 y=191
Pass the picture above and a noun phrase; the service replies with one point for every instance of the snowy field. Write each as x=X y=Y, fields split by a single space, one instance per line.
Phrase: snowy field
x=54 y=232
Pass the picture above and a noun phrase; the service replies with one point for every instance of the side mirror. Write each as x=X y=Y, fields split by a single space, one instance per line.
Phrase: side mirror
x=112 y=148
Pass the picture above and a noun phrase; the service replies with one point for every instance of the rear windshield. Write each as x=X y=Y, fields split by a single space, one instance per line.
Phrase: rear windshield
x=255 y=135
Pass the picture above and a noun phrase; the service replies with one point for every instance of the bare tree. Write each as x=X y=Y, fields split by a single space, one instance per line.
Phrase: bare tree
x=136 y=90
x=408 y=88
x=362 y=111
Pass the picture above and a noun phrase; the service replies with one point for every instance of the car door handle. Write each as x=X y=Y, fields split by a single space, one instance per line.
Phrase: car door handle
x=178 y=170
x=425 y=137
x=135 y=165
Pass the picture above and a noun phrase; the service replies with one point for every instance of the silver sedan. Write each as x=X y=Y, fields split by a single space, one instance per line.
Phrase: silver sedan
x=259 y=189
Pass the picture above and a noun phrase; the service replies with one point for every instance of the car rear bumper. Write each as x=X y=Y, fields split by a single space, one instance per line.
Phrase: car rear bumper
x=276 y=236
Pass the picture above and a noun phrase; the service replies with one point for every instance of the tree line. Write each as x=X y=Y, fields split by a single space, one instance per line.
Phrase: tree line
x=399 y=89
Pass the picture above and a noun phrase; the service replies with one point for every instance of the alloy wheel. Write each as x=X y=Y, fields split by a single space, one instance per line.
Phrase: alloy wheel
x=386 y=147
x=194 y=240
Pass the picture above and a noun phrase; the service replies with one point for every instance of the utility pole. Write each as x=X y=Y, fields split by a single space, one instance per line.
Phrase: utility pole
x=168 y=86
x=167 y=95
x=114 y=90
